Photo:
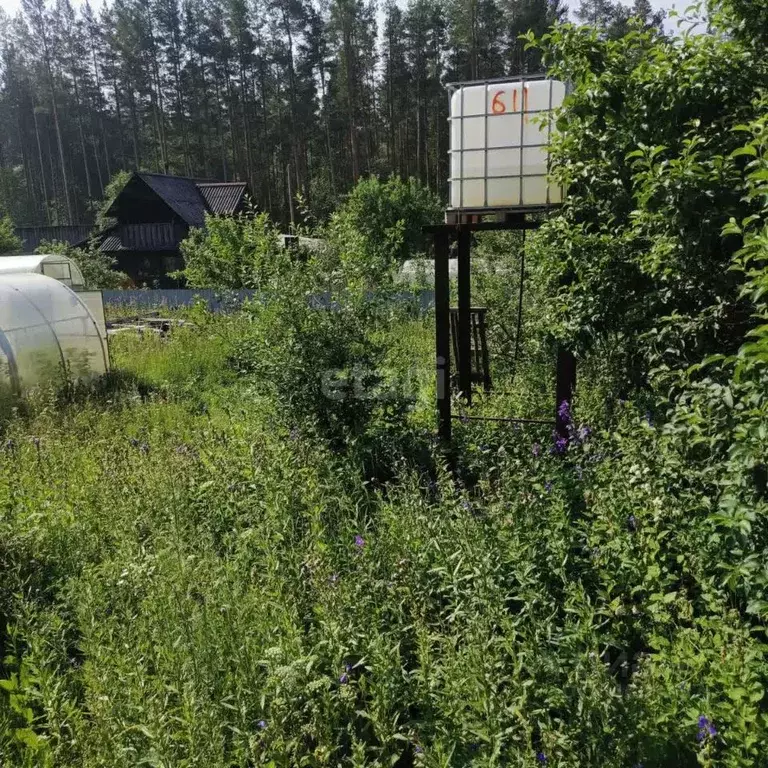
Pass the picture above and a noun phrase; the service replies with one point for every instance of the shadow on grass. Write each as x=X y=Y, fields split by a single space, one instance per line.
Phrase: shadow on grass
x=112 y=388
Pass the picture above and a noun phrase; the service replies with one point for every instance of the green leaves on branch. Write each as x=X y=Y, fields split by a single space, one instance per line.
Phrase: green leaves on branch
x=239 y=252
x=655 y=168
x=8 y=240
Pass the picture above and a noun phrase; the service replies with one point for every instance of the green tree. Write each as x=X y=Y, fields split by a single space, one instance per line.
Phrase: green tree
x=380 y=226
x=521 y=16
x=639 y=239
x=241 y=252
x=8 y=240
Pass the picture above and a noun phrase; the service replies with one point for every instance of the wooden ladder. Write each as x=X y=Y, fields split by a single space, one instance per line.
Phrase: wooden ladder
x=479 y=365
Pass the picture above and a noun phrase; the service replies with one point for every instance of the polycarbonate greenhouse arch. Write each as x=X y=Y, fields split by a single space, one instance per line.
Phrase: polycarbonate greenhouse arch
x=46 y=333
x=53 y=265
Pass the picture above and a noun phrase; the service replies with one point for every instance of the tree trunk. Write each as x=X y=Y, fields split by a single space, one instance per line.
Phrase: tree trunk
x=42 y=169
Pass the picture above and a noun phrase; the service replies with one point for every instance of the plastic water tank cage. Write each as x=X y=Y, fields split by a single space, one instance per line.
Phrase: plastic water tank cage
x=46 y=333
x=500 y=134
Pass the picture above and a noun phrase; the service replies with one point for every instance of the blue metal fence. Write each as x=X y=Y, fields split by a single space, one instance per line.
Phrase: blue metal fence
x=222 y=301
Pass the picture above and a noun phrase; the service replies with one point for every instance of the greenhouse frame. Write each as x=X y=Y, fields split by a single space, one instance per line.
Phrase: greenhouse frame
x=47 y=334
x=52 y=265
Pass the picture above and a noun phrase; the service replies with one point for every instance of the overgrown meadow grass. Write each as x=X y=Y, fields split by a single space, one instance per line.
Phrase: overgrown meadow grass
x=190 y=579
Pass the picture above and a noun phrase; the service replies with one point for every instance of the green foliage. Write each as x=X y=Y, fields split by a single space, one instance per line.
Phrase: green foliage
x=97 y=268
x=646 y=152
x=111 y=191
x=318 y=357
x=233 y=252
x=8 y=240
x=221 y=611
x=242 y=548
x=380 y=226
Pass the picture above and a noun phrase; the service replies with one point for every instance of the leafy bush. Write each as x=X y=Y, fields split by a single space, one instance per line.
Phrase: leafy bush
x=315 y=355
x=8 y=240
x=646 y=151
x=233 y=252
x=379 y=226
x=98 y=269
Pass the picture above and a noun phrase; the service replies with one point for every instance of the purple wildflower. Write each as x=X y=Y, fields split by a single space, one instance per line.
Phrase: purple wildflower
x=548 y=486
x=631 y=523
x=584 y=432
x=541 y=757
x=417 y=749
x=706 y=729
x=564 y=412
x=344 y=679
x=261 y=725
x=536 y=450
x=359 y=541
x=561 y=446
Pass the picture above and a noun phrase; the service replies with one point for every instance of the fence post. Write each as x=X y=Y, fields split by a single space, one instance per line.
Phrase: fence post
x=443 y=334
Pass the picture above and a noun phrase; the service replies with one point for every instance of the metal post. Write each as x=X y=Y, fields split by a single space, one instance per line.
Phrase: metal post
x=565 y=386
x=465 y=332
x=443 y=334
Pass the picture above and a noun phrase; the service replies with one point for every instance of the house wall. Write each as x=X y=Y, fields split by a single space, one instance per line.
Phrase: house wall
x=150 y=269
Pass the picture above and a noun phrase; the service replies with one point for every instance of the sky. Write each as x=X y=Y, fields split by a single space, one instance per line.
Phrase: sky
x=11 y=6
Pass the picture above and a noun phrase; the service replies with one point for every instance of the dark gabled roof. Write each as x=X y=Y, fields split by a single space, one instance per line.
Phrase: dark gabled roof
x=224 y=198
x=180 y=194
x=189 y=199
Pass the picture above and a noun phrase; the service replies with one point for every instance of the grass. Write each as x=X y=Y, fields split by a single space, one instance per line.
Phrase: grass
x=186 y=579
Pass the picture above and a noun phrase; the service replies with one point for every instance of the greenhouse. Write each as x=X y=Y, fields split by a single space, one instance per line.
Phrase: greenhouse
x=46 y=333
x=50 y=264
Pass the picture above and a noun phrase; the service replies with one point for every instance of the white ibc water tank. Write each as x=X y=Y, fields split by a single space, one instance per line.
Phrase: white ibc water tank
x=500 y=134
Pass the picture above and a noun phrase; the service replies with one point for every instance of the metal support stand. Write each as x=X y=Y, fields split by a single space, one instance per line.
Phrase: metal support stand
x=443 y=333
x=465 y=337
x=565 y=386
x=461 y=227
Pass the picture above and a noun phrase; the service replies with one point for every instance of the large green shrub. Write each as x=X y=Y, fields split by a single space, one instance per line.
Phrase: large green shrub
x=8 y=240
x=317 y=355
x=379 y=226
x=233 y=252
x=646 y=153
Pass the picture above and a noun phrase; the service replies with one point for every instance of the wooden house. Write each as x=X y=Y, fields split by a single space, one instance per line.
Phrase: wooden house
x=154 y=213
